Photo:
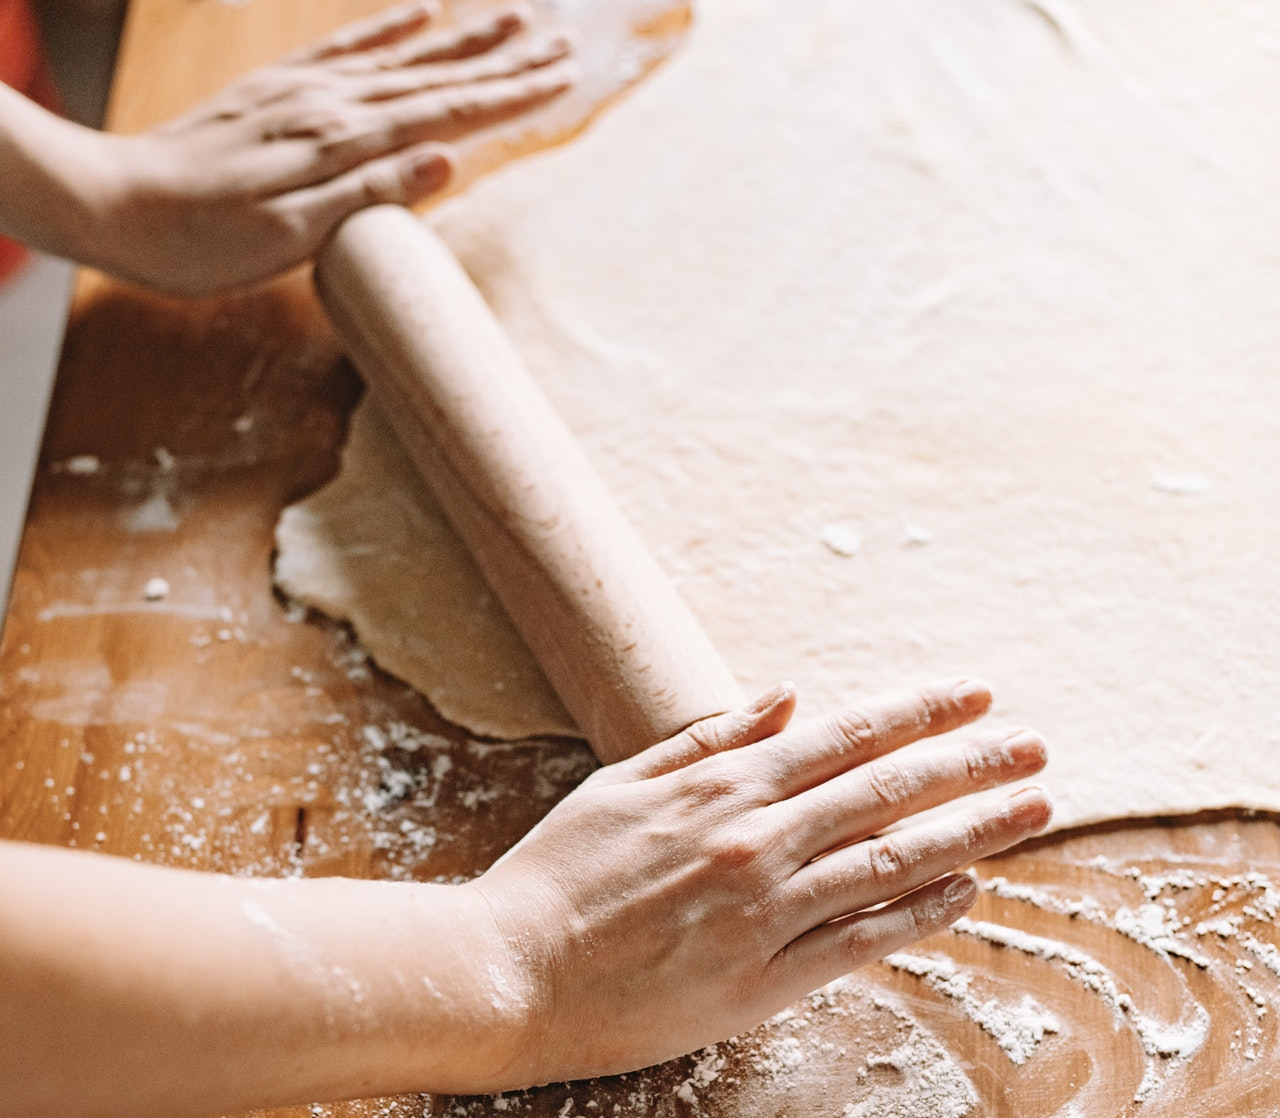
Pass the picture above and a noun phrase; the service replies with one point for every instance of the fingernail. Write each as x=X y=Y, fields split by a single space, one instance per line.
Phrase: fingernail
x=563 y=40
x=971 y=693
x=554 y=48
x=510 y=21
x=771 y=698
x=1025 y=748
x=962 y=891
x=1022 y=799
x=430 y=167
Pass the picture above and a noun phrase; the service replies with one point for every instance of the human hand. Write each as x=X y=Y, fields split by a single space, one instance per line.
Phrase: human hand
x=674 y=899
x=254 y=180
x=696 y=889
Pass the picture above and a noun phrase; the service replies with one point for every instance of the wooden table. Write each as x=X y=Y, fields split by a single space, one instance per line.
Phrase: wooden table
x=220 y=728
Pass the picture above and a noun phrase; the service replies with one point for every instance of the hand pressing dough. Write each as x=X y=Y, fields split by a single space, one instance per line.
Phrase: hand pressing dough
x=922 y=339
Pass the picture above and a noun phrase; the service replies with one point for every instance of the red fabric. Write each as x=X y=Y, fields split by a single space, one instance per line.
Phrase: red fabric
x=22 y=66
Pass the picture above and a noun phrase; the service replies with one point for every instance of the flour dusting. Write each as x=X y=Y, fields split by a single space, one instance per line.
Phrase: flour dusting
x=1017 y=1029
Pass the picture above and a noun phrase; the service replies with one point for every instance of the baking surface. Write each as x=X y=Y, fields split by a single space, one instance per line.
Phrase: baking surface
x=975 y=376
x=216 y=728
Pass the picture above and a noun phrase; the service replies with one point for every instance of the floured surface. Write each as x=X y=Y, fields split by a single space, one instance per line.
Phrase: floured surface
x=1091 y=978
x=934 y=339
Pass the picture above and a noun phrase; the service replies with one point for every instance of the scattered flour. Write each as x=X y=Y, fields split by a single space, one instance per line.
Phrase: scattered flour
x=1153 y=926
x=1172 y=1043
x=780 y=1058
x=81 y=465
x=1267 y=954
x=705 y=1072
x=1182 y=485
x=1017 y=1029
x=842 y=540
x=930 y=1084
x=914 y=535
x=155 y=514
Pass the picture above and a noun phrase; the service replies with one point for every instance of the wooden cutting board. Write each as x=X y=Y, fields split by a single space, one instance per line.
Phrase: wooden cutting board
x=219 y=728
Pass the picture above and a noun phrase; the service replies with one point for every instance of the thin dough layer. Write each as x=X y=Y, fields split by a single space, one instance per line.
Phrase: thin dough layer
x=922 y=339
x=373 y=548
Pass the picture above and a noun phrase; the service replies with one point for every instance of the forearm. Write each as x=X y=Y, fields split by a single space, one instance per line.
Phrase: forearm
x=54 y=179
x=139 y=990
x=675 y=898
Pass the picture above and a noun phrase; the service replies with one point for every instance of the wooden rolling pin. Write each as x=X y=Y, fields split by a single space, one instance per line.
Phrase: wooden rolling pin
x=622 y=650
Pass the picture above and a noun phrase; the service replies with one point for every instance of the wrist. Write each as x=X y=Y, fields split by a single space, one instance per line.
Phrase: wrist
x=468 y=1018
x=58 y=181
x=428 y=995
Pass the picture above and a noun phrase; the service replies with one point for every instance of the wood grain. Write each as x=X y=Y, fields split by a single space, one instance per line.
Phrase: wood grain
x=219 y=729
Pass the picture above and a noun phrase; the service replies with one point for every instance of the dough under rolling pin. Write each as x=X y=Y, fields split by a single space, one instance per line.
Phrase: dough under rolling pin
x=626 y=657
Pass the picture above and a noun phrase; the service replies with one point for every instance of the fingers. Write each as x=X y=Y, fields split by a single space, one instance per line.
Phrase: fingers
x=821 y=750
x=764 y=717
x=403 y=179
x=447 y=114
x=312 y=141
x=438 y=75
x=369 y=34
x=831 y=950
x=877 y=870
x=374 y=88
x=455 y=44
x=874 y=796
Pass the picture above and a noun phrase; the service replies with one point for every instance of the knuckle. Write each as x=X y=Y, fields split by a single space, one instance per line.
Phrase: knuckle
x=932 y=710
x=266 y=85
x=914 y=924
x=737 y=851
x=457 y=104
x=860 y=942
x=337 y=129
x=854 y=730
x=886 y=864
x=979 y=764
x=383 y=182
x=387 y=58
x=706 y=737
x=889 y=784
x=306 y=95
x=620 y=772
x=319 y=118
x=975 y=834
x=711 y=785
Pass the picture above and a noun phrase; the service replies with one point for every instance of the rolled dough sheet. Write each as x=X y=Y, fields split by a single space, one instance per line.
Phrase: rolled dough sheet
x=918 y=339
x=373 y=548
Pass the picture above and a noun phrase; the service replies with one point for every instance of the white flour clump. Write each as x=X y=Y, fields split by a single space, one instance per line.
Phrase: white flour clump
x=780 y=1058
x=842 y=539
x=1156 y=928
x=705 y=1072
x=930 y=1083
x=1265 y=952
x=81 y=465
x=1182 y=485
